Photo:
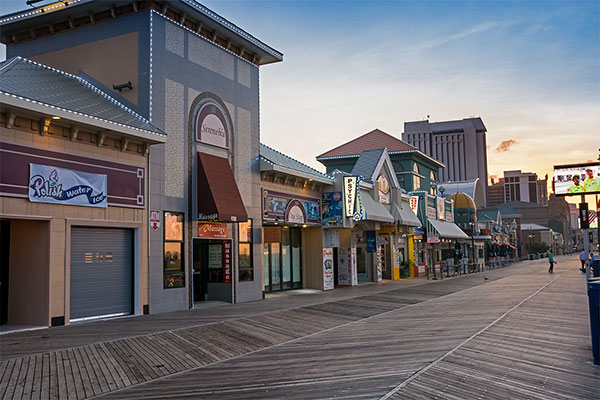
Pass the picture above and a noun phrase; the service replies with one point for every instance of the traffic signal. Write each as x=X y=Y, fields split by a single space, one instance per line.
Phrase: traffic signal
x=584 y=216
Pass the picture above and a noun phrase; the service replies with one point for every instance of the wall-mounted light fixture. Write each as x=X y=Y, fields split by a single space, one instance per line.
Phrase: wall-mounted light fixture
x=123 y=86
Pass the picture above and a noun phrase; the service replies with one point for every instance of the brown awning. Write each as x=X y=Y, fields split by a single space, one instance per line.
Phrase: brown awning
x=218 y=195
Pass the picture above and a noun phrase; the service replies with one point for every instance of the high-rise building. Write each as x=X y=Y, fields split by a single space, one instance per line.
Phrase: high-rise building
x=460 y=145
x=518 y=186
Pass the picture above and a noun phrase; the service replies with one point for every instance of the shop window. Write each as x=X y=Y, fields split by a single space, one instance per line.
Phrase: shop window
x=245 y=251
x=173 y=261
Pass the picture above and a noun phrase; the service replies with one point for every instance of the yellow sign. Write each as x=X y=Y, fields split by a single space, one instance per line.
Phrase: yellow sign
x=387 y=229
x=349 y=194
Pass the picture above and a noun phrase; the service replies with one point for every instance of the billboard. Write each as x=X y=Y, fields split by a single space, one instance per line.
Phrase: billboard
x=576 y=179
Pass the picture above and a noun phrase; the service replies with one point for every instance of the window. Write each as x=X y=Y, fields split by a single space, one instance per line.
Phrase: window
x=245 y=251
x=173 y=261
x=416 y=178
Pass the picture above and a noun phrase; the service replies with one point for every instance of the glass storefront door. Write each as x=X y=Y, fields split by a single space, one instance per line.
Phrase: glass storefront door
x=283 y=262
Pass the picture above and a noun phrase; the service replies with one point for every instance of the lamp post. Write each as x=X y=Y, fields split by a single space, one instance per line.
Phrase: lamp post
x=531 y=235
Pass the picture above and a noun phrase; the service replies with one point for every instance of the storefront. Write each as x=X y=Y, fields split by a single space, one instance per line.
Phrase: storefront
x=291 y=221
x=76 y=193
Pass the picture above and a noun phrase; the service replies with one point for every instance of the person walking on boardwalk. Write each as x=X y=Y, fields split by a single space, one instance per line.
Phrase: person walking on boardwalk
x=582 y=259
x=551 y=261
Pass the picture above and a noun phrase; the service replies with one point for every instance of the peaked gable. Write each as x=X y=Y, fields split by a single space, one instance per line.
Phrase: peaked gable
x=375 y=139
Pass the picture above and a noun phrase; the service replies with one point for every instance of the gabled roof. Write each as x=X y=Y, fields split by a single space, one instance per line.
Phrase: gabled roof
x=27 y=84
x=488 y=214
x=367 y=163
x=375 y=139
x=273 y=160
x=506 y=211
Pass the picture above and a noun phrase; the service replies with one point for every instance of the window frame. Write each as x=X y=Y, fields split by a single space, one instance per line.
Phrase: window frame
x=251 y=255
x=181 y=243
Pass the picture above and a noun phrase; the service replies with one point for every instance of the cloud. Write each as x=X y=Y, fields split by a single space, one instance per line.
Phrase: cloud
x=505 y=145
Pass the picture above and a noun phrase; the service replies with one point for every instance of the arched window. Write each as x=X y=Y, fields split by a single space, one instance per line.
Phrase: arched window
x=431 y=180
x=416 y=178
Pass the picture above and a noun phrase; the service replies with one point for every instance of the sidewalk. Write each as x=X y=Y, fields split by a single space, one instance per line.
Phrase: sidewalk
x=523 y=333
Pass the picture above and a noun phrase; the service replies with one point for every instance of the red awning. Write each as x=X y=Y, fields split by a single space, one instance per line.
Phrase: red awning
x=218 y=195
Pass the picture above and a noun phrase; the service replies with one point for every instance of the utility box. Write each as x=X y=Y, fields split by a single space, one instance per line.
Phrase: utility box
x=594 y=299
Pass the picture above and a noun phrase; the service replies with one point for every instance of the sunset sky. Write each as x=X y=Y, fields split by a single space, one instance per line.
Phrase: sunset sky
x=529 y=69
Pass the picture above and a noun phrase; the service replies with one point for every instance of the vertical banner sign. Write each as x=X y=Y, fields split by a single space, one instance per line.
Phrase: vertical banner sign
x=441 y=213
x=414 y=204
x=155 y=219
x=352 y=266
x=379 y=264
x=66 y=186
x=227 y=268
x=371 y=241
x=343 y=268
x=349 y=194
x=327 y=268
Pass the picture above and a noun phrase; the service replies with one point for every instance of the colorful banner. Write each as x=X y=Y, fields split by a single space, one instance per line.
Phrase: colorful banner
x=371 y=241
x=283 y=207
x=66 y=186
x=414 y=204
x=327 y=269
x=333 y=209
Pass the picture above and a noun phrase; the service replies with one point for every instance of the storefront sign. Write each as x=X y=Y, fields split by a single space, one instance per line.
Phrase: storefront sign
x=227 y=264
x=284 y=207
x=430 y=212
x=449 y=215
x=387 y=229
x=211 y=126
x=333 y=208
x=384 y=189
x=371 y=241
x=272 y=234
x=332 y=237
x=414 y=204
x=349 y=195
x=155 y=219
x=212 y=230
x=327 y=268
x=441 y=214
x=433 y=239
x=66 y=186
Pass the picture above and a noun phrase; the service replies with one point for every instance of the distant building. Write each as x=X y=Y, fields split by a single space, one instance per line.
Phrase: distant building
x=518 y=186
x=460 y=145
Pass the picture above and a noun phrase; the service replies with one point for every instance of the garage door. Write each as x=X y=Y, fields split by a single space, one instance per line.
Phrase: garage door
x=101 y=272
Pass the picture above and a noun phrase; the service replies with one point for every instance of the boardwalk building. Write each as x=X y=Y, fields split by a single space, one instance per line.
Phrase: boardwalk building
x=194 y=75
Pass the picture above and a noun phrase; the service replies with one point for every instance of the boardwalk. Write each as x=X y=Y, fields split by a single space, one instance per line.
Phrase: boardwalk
x=523 y=333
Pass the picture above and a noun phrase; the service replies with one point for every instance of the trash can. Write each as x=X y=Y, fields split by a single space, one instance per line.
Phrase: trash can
x=531 y=256
x=594 y=300
x=595 y=268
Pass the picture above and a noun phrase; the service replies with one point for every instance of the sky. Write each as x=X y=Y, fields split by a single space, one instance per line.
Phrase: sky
x=529 y=69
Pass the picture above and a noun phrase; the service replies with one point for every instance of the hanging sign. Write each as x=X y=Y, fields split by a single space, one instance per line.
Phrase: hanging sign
x=327 y=268
x=349 y=195
x=155 y=219
x=66 y=186
x=414 y=204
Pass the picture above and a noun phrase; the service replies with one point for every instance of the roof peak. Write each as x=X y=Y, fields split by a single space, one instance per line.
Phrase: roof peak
x=372 y=140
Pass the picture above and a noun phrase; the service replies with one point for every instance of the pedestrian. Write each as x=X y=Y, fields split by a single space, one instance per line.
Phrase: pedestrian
x=582 y=259
x=551 y=261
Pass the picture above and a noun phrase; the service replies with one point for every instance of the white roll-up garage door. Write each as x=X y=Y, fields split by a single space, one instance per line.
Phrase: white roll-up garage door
x=101 y=272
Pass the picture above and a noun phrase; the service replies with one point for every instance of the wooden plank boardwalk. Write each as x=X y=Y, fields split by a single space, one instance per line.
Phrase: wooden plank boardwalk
x=520 y=334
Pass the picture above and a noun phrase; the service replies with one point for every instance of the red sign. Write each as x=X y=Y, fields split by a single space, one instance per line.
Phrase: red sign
x=227 y=270
x=212 y=230
x=155 y=219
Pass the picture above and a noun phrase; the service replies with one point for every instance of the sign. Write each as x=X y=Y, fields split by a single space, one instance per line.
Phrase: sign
x=387 y=229
x=283 y=207
x=343 y=268
x=209 y=230
x=66 y=186
x=227 y=269
x=371 y=241
x=352 y=266
x=379 y=264
x=211 y=126
x=383 y=187
x=332 y=238
x=333 y=209
x=349 y=195
x=433 y=239
x=449 y=215
x=576 y=179
x=441 y=213
x=414 y=204
x=272 y=234
x=327 y=268
x=430 y=212
x=155 y=219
